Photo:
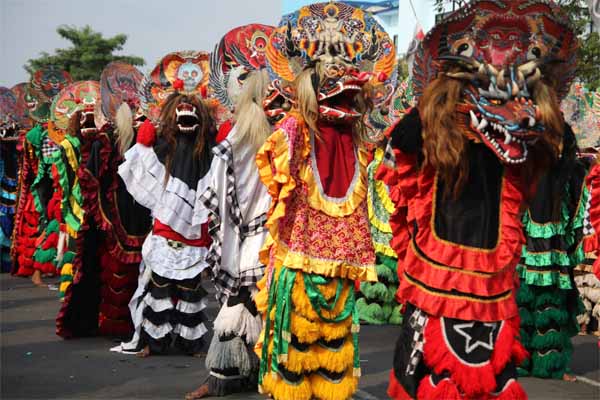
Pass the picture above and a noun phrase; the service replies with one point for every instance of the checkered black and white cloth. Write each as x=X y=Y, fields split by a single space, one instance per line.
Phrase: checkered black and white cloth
x=588 y=228
x=226 y=284
x=48 y=147
x=417 y=321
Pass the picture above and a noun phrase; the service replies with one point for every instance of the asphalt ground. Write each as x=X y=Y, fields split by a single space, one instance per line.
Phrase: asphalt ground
x=37 y=364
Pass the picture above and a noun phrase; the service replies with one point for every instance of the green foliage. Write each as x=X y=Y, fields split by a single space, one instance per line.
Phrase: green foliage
x=589 y=50
x=88 y=56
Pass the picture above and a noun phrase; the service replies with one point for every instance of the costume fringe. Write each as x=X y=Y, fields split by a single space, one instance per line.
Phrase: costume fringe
x=231 y=354
x=445 y=389
x=238 y=321
x=282 y=390
x=324 y=389
x=337 y=360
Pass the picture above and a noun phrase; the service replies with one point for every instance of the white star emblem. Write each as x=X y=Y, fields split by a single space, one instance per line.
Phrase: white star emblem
x=470 y=344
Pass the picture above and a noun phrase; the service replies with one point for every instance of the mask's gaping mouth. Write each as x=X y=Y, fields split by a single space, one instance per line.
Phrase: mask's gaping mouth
x=338 y=102
x=8 y=131
x=506 y=127
x=86 y=122
x=187 y=120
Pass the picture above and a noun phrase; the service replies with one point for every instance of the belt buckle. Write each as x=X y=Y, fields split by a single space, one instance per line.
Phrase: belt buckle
x=175 y=244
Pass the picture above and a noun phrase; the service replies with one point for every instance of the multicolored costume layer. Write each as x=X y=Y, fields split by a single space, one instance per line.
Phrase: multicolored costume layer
x=460 y=166
x=314 y=167
x=238 y=204
x=167 y=173
x=548 y=299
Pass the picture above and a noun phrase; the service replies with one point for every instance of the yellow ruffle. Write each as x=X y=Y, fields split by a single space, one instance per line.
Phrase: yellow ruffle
x=305 y=330
x=324 y=389
x=63 y=286
x=299 y=362
x=331 y=268
x=376 y=222
x=279 y=389
x=380 y=187
x=338 y=360
x=385 y=250
x=67 y=269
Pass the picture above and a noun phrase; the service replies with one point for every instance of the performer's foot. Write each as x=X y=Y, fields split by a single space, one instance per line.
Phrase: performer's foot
x=144 y=353
x=199 y=393
x=36 y=278
x=200 y=354
x=569 y=378
x=596 y=333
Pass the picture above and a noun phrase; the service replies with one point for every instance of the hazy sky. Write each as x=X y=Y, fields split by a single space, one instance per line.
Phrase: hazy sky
x=153 y=27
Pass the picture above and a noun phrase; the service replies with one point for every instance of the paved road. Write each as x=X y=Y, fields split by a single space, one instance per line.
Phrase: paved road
x=36 y=364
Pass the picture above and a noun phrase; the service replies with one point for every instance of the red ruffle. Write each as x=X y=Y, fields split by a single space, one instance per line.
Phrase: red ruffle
x=395 y=389
x=111 y=327
x=417 y=190
x=115 y=312
x=597 y=267
x=117 y=297
x=445 y=389
x=473 y=381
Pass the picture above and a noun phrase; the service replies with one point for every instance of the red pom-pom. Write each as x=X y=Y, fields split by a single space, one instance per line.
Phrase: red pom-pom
x=178 y=84
x=146 y=134
x=77 y=100
x=382 y=77
x=203 y=92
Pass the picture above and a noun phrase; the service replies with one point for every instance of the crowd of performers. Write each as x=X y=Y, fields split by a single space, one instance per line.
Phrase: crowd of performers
x=289 y=173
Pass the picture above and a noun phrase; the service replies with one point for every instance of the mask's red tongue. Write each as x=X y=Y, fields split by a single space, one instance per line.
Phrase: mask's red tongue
x=334 y=152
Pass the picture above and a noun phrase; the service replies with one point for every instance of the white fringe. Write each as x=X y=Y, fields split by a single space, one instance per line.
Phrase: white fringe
x=230 y=354
x=190 y=333
x=191 y=308
x=238 y=321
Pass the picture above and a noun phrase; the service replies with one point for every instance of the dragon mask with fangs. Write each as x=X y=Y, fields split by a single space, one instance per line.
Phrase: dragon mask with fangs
x=501 y=50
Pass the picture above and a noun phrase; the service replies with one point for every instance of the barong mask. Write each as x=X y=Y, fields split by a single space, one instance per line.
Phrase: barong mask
x=190 y=68
x=346 y=48
x=44 y=85
x=501 y=50
x=22 y=113
x=119 y=84
x=239 y=52
x=79 y=97
x=8 y=114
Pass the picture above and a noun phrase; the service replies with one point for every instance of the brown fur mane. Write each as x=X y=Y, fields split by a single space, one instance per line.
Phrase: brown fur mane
x=445 y=141
x=168 y=123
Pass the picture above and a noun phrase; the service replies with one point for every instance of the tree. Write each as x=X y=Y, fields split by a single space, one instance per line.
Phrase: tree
x=88 y=56
x=589 y=50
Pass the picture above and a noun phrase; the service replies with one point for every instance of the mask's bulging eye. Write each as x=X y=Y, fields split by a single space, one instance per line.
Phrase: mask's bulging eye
x=463 y=48
x=534 y=53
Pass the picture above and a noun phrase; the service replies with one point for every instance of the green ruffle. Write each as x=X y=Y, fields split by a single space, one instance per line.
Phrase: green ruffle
x=396 y=316
x=526 y=317
x=44 y=256
x=553 y=258
x=553 y=364
x=553 y=339
x=544 y=278
x=551 y=316
x=377 y=291
x=35 y=136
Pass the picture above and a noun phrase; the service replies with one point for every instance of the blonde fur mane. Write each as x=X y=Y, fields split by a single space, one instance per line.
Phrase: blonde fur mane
x=251 y=123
